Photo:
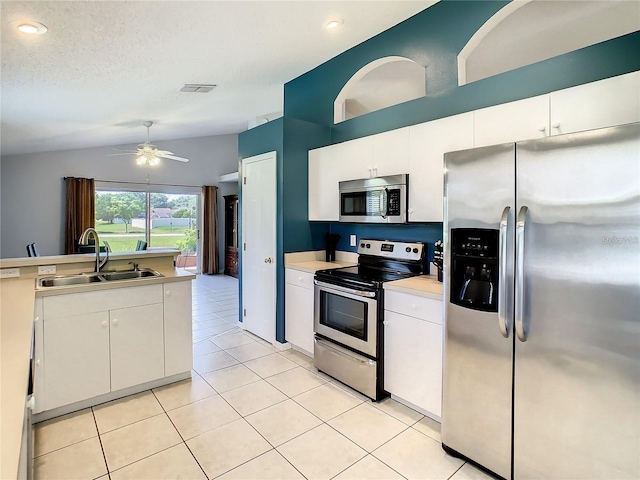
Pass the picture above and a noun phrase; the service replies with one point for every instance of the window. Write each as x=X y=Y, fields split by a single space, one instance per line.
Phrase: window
x=125 y=220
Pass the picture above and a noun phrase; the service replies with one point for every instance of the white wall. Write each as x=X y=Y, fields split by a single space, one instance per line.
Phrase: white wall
x=32 y=194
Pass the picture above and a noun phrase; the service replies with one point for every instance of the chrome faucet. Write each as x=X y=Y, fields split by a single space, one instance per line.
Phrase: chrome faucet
x=84 y=240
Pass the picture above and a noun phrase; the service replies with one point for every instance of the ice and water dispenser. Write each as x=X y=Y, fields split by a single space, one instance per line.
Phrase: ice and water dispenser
x=474 y=268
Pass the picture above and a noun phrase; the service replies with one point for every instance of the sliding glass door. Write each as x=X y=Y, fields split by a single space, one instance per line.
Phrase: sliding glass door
x=130 y=220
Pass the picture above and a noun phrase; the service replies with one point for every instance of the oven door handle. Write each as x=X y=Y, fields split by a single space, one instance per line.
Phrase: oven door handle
x=359 y=293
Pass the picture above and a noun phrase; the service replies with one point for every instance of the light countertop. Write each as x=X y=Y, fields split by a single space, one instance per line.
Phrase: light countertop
x=422 y=285
x=86 y=257
x=314 y=265
x=16 y=320
x=17 y=298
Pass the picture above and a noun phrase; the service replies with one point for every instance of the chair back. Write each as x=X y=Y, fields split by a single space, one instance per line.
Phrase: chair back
x=32 y=250
x=141 y=245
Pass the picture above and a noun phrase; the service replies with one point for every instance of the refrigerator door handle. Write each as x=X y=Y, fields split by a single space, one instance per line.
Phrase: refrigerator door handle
x=519 y=287
x=503 y=321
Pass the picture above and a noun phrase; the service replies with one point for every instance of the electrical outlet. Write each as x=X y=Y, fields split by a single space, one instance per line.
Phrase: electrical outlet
x=46 y=270
x=9 y=272
x=352 y=240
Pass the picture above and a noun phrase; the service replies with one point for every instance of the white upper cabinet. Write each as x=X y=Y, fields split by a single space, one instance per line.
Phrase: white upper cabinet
x=614 y=101
x=390 y=153
x=511 y=122
x=428 y=144
x=330 y=165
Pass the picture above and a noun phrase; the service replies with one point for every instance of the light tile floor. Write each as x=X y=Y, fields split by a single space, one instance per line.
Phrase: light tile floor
x=248 y=412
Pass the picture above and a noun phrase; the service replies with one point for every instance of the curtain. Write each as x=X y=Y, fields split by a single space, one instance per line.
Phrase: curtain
x=81 y=210
x=210 y=250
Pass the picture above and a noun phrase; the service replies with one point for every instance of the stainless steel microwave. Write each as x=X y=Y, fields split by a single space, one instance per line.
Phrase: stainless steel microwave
x=374 y=200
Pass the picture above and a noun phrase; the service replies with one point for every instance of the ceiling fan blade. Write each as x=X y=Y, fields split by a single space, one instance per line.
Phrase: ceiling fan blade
x=123 y=150
x=172 y=157
x=116 y=154
x=164 y=152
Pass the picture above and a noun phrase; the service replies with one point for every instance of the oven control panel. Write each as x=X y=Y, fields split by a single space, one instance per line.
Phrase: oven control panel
x=389 y=249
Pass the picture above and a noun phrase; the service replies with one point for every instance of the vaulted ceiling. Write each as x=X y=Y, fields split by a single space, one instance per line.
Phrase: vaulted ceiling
x=104 y=67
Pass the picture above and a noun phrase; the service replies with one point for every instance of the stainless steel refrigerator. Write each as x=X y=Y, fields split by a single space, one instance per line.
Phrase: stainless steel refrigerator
x=542 y=306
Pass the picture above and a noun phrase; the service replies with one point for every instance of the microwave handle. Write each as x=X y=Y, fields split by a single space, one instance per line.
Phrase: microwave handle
x=384 y=208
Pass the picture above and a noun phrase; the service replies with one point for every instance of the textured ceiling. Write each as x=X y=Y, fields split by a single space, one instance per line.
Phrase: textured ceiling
x=104 y=67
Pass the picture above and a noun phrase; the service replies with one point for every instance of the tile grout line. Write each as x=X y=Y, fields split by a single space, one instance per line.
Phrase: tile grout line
x=179 y=434
x=104 y=455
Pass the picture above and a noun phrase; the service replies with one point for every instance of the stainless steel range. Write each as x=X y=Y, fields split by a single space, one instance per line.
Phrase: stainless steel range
x=349 y=312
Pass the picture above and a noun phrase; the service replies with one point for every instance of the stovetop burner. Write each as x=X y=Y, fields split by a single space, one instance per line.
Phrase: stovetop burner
x=380 y=261
x=365 y=274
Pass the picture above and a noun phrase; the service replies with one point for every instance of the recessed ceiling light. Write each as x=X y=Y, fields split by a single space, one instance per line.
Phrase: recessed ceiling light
x=335 y=23
x=32 y=28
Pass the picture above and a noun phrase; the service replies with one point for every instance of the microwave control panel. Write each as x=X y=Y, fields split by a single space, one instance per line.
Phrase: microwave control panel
x=393 y=202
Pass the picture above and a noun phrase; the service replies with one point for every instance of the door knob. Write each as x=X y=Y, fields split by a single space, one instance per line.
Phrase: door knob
x=267 y=260
x=114 y=321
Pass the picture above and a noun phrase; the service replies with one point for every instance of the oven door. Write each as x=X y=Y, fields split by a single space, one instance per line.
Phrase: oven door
x=346 y=316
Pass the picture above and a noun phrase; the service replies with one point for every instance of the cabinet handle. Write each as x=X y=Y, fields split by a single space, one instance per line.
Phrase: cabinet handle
x=114 y=321
x=542 y=129
x=38 y=363
x=104 y=323
x=31 y=403
x=410 y=210
x=385 y=323
x=168 y=293
x=556 y=125
x=36 y=319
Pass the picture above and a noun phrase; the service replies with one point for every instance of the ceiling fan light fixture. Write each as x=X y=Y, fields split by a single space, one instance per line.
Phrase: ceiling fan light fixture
x=141 y=160
x=153 y=160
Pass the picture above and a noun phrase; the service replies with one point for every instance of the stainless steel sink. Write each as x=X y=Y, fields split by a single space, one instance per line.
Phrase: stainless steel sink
x=88 y=278
x=130 y=275
x=69 y=280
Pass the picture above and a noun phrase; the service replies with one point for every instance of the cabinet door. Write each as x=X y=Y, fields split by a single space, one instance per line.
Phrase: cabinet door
x=178 y=348
x=428 y=144
x=413 y=360
x=137 y=345
x=610 y=102
x=390 y=153
x=299 y=317
x=76 y=353
x=511 y=122
x=330 y=165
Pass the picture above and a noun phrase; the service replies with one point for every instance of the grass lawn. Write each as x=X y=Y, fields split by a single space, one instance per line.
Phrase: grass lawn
x=103 y=227
x=127 y=243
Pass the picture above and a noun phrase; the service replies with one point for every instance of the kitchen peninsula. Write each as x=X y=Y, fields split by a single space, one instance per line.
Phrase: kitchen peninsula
x=162 y=303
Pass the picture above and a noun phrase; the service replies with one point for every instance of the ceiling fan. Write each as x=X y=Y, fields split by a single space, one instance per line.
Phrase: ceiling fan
x=147 y=153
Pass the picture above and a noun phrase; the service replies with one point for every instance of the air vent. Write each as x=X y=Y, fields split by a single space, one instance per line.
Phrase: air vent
x=197 y=87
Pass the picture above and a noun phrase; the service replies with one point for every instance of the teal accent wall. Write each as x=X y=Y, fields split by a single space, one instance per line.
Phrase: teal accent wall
x=432 y=38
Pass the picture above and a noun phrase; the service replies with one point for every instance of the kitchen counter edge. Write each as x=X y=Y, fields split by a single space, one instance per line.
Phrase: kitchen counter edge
x=422 y=285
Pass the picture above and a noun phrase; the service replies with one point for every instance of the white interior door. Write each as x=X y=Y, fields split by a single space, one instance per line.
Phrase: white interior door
x=259 y=245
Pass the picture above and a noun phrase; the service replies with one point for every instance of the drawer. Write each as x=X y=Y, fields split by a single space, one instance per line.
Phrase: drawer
x=414 y=306
x=296 y=277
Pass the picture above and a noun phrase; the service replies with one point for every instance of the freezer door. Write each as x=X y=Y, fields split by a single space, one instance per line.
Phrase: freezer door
x=477 y=384
x=577 y=362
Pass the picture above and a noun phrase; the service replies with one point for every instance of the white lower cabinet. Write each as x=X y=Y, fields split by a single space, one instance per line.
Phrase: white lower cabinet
x=178 y=338
x=76 y=350
x=93 y=343
x=413 y=351
x=137 y=345
x=299 y=309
